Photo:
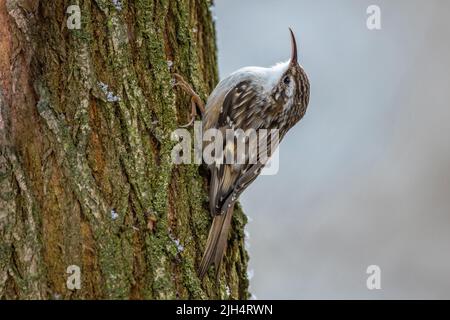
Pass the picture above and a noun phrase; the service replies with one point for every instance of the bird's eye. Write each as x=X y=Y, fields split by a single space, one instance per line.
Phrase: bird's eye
x=287 y=80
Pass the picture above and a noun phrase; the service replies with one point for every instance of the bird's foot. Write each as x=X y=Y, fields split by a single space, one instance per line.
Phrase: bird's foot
x=196 y=101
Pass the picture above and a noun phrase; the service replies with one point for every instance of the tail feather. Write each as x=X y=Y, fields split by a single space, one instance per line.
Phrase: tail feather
x=216 y=243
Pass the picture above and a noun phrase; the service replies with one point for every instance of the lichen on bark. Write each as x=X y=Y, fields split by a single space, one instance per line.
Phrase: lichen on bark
x=86 y=175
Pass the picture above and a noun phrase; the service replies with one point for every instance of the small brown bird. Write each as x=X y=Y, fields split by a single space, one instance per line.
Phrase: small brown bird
x=250 y=98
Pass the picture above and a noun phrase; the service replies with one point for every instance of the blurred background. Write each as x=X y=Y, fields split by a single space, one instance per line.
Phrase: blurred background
x=364 y=178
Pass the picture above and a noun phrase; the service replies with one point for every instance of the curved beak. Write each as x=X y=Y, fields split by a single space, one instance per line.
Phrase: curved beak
x=294 y=48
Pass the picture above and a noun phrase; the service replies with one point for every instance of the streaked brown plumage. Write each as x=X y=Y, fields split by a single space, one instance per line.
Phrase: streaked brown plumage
x=250 y=98
x=245 y=103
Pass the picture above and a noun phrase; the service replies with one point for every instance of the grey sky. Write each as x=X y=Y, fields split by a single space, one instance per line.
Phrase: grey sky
x=365 y=177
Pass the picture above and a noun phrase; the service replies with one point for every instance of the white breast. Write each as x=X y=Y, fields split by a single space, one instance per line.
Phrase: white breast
x=267 y=78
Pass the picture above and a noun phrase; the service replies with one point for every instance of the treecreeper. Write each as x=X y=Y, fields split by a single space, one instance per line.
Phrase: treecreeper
x=255 y=98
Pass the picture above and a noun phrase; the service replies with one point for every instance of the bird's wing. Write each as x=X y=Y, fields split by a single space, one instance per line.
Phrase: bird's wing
x=242 y=108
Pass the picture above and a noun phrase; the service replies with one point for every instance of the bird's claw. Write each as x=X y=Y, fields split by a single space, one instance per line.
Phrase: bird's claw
x=196 y=101
x=190 y=123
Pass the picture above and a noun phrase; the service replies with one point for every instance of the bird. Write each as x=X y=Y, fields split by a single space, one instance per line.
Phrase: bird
x=250 y=98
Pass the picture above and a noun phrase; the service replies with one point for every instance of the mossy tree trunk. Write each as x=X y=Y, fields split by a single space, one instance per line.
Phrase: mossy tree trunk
x=86 y=177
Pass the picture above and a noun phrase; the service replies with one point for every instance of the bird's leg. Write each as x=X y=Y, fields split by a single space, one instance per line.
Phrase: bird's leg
x=196 y=101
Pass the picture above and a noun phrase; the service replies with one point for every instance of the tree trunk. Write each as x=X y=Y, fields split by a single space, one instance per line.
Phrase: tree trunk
x=86 y=176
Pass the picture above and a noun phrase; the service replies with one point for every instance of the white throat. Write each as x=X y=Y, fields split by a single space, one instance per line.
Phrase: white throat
x=265 y=77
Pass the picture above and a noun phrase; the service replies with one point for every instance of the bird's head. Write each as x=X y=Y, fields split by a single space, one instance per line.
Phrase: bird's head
x=292 y=89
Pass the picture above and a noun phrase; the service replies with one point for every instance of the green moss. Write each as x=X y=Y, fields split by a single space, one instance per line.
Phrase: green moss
x=191 y=281
x=108 y=155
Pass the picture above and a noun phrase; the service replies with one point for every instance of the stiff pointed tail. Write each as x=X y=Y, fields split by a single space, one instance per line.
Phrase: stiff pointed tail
x=216 y=243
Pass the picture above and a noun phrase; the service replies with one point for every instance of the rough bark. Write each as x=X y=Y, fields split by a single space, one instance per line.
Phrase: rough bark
x=86 y=176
